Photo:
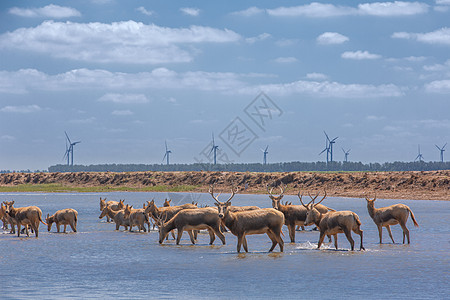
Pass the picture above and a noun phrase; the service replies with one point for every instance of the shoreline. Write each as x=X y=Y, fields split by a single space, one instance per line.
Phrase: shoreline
x=412 y=185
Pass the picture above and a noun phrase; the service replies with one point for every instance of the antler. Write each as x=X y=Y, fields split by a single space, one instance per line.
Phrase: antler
x=322 y=198
x=211 y=191
x=234 y=190
x=270 y=192
x=300 y=197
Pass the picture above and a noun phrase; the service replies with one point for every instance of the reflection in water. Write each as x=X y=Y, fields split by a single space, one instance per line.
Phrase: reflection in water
x=99 y=262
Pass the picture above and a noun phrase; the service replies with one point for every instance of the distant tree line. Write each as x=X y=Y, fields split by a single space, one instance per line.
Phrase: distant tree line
x=258 y=167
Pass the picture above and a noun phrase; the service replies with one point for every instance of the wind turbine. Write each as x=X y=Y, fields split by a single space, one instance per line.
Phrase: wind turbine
x=346 y=153
x=214 y=148
x=442 y=151
x=330 y=143
x=419 y=156
x=166 y=154
x=327 y=148
x=265 y=155
x=69 y=151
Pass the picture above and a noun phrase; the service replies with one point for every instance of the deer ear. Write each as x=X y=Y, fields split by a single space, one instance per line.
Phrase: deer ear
x=216 y=204
x=228 y=204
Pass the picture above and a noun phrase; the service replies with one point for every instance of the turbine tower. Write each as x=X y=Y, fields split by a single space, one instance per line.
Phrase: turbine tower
x=330 y=145
x=214 y=148
x=166 y=154
x=69 y=149
x=419 y=156
x=327 y=148
x=265 y=155
x=442 y=151
x=346 y=153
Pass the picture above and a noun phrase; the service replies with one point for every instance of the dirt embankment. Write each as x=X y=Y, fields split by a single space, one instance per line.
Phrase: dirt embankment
x=433 y=185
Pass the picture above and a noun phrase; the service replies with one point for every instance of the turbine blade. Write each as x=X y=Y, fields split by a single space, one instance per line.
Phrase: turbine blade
x=326 y=135
x=444 y=146
x=266 y=148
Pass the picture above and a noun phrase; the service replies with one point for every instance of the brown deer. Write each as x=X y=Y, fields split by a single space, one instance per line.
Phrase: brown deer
x=137 y=217
x=117 y=216
x=294 y=215
x=192 y=220
x=259 y=221
x=4 y=217
x=27 y=216
x=390 y=215
x=113 y=204
x=64 y=217
x=167 y=202
x=333 y=222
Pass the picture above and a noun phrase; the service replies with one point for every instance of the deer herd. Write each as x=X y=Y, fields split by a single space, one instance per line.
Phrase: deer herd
x=241 y=221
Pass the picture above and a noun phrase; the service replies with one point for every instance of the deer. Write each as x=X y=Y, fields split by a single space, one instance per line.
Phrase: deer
x=27 y=216
x=192 y=220
x=167 y=202
x=136 y=217
x=4 y=217
x=113 y=204
x=64 y=217
x=294 y=215
x=259 y=221
x=333 y=222
x=117 y=216
x=390 y=215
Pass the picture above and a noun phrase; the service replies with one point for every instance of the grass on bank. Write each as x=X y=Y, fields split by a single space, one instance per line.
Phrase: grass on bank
x=59 y=188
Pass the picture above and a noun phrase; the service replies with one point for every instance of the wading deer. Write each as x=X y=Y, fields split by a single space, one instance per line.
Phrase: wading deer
x=294 y=215
x=4 y=217
x=113 y=204
x=64 y=217
x=137 y=217
x=117 y=216
x=390 y=215
x=27 y=216
x=259 y=221
x=192 y=220
x=333 y=222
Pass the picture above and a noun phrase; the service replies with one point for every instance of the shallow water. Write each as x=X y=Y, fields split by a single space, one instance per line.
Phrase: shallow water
x=99 y=262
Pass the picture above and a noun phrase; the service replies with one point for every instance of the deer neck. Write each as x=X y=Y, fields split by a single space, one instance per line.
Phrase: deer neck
x=372 y=210
x=229 y=219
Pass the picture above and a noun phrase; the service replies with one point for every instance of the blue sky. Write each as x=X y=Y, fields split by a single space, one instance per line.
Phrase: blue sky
x=123 y=77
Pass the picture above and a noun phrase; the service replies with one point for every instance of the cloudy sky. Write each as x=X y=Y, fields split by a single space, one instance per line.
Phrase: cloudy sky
x=123 y=77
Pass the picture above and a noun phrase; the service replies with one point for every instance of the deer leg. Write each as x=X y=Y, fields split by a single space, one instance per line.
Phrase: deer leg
x=191 y=236
x=245 y=243
x=73 y=226
x=358 y=231
x=329 y=238
x=212 y=236
x=291 y=228
x=18 y=229
x=405 y=232
x=65 y=227
x=335 y=240
x=179 y=234
x=348 y=234
x=219 y=234
x=321 y=237
x=195 y=232
x=271 y=235
x=380 y=233
x=173 y=235
x=239 y=242
x=390 y=233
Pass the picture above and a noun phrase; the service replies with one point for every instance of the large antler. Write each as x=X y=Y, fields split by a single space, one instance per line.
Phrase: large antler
x=211 y=192
x=282 y=190
x=313 y=199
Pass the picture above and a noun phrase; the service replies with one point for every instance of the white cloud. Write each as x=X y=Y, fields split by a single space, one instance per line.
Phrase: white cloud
x=251 y=11
x=443 y=2
x=120 y=42
x=286 y=42
x=49 y=11
x=440 y=36
x=23 y=109
x=380 y=9
x=190 y=11
x=316 y=76
x=163 y=78
x=122 y=112
x=331 y=38
x=375 y=118
x=124 y=98
x=7 y=137
x=359 y=55
x=261 y=37
x=285 y=60
x=438 y=86
x=144 y=11
x=438 y=67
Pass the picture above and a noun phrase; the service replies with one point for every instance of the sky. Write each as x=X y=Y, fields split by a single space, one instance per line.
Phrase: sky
x=126 y=77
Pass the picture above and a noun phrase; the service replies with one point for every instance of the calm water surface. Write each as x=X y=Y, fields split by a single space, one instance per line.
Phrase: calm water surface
x=99 y=262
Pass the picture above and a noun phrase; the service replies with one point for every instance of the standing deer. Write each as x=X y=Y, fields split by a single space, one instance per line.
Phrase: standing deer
x=333 y=222
x=259 y=221
x=137 y=217
x=390 y=215
x=114 y=205
x=27 y=216
x=64 y=217
x=294 y=215
x=117 y=216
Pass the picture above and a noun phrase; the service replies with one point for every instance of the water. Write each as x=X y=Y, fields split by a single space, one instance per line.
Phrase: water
x=98 y=262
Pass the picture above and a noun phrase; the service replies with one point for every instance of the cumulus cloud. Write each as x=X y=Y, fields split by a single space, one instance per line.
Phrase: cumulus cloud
x=190 y=11
x=49 y=11
x=124 y=98
x=438 y=86
x=144 y=11
x=163 y=78
x=121 y=42
x=23 y=109
x=359 y=55
x=331 y=38
x=440 y=36
x=261 y=37
x=323 y=10
x=285 y=60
